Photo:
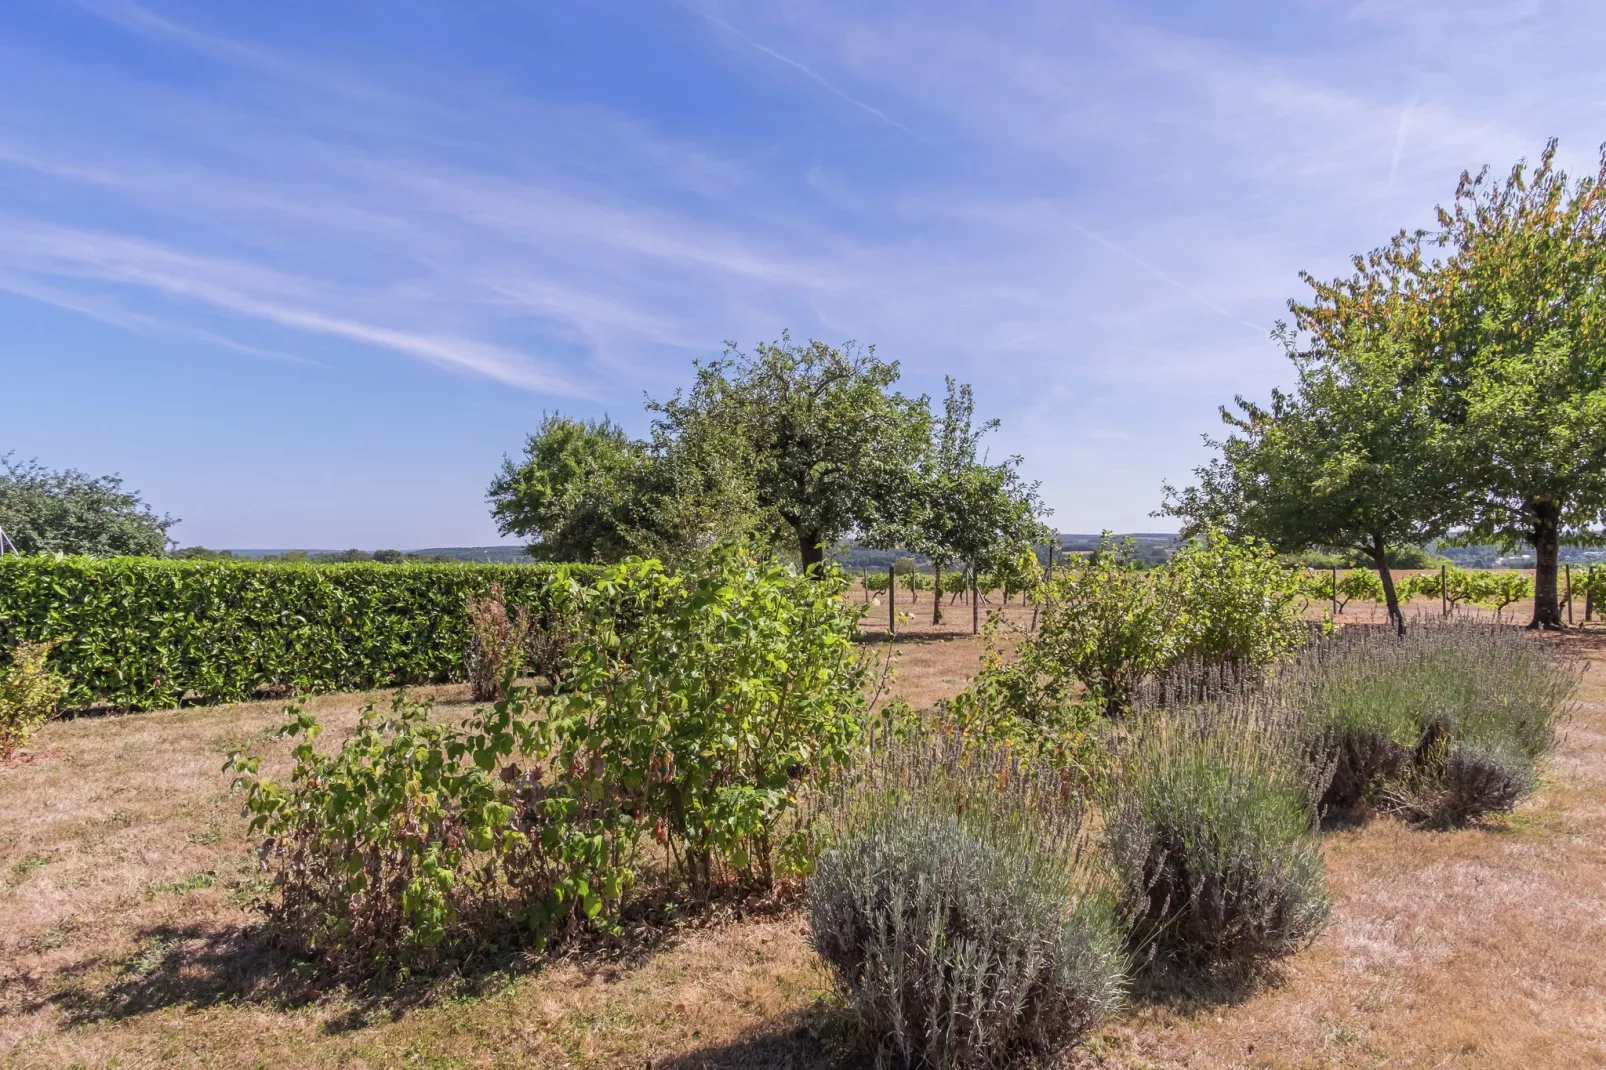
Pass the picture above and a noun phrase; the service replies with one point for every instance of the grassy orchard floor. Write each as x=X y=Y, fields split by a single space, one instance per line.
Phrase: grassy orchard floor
x=125 y=882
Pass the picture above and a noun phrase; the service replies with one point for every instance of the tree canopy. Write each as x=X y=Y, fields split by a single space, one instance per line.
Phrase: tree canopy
x=71 y=512
x=1461 y=396
x=816 y=435
x=796 y=444
x=1523 y=293
x=1351 y=459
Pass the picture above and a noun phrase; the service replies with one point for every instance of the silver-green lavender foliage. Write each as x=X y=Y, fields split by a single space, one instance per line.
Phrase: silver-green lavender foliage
x=1211 y=826
x=1446 y=724
x=960 y=912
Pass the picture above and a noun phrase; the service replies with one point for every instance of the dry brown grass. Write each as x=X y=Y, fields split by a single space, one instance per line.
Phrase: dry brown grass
x=127 y=936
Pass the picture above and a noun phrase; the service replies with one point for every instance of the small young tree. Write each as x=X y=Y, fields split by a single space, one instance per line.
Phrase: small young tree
x=964 y=508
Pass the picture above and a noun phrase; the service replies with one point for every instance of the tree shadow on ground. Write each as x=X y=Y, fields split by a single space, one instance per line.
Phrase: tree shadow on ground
x=817 y=1038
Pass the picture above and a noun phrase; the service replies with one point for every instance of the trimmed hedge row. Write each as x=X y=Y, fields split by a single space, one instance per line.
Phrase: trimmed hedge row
x=142 y=633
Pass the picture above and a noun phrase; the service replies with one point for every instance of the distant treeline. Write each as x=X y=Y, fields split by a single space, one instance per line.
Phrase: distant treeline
x=1148 y=548
x=500 y=555
x=1152 y=548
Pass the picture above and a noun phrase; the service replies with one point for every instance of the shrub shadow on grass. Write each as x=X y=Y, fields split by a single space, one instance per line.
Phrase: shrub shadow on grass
x=1347 y=818
x=816 y=1038
x=195 y=965
x=1187 y=991
x=201 y=965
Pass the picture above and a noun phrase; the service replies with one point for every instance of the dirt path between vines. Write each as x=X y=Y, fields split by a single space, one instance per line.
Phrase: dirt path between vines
x=126 y=935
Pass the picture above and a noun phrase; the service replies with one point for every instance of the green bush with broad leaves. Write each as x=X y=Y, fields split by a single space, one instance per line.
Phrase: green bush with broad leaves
x=738 y=683
x=1240 y=608
x=1107 y=625
x=144 y=633
x=1224 y=608
x=416 y=838
x=696 y=707
x=1362 y=584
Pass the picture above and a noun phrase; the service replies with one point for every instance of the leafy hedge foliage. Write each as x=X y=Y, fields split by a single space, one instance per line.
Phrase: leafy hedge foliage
x=1217 y=607
x=417 y=839
x=142 y=633
x=737 y=683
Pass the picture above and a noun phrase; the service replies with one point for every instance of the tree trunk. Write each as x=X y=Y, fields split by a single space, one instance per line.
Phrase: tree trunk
x=938 y=565
x=1391 y=597
x=811 y=549
x=1544 y=537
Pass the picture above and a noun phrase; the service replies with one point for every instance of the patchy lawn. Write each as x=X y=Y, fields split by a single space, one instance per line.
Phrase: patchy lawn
x=128 y=939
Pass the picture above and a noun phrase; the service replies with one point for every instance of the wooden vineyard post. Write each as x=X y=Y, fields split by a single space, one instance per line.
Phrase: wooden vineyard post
x=892 y=600
x=1444 y=589
x=1569 y=569
x=1589 y=595
x=975 y=602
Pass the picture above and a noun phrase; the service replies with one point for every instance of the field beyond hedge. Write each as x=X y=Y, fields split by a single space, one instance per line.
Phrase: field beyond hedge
x=125 y=884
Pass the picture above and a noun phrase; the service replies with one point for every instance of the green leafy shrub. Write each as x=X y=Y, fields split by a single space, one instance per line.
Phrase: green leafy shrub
x=698 y=706
x=1108 y=624
x=1240 y=608
x=29 y=694
x=1505 y=587
x=738 y=681
x=1212 y=830
x=956 y=907
x=1447 y=723
x=1216 y=609
x=416 y=838
x=143 y=633
x=1317 y=585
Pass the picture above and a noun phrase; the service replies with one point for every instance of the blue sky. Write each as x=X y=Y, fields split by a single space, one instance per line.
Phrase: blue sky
x=302 y=272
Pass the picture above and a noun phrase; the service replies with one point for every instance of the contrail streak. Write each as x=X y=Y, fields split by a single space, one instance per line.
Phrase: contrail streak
x=805 y=70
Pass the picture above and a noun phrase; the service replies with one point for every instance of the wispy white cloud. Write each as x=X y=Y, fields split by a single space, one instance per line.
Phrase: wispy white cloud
x=1094 y=215
x=246 y=290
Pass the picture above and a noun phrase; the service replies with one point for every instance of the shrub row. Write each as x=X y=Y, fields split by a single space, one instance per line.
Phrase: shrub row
x=143 y=633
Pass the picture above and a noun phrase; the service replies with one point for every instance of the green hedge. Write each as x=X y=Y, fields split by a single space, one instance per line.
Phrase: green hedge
x=142 y=633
